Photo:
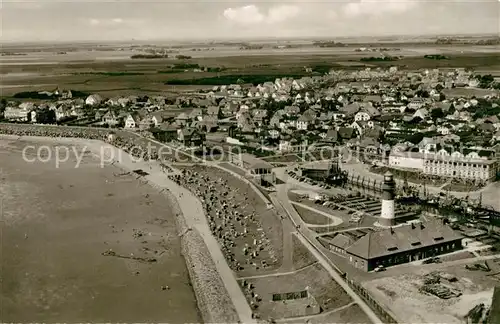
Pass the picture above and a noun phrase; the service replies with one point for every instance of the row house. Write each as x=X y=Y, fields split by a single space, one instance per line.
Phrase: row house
x=17 y=114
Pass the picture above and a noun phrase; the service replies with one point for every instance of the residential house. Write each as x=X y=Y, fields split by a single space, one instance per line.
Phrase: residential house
x=20 y=114
x=62 y=111
x=214 y=111
x=196 y=114
x=190 y=137
x=416 y=103
x=422 y=113
x=427 y=145
x=93 y=100
x=182 y=119
x=110 y=118
x=259 y=116
x=350 y=110
x=443 y=130
x=307 y=119
x=209 y=123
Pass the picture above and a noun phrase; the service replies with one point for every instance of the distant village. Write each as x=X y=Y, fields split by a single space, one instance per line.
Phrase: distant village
x=429 y=121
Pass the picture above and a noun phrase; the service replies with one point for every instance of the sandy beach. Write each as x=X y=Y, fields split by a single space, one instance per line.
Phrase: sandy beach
x=57 y=222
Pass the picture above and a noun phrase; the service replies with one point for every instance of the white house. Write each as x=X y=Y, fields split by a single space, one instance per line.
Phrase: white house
x=16 y=114
x=422 y=113
x=362 y=116
x=406 y=160
x=303 y=123
x=93 y=100
x=443 y=130
x=131 y=122
x=416 y=103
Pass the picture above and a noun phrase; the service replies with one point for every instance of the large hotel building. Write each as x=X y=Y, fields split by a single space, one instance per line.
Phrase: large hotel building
x=455 y=165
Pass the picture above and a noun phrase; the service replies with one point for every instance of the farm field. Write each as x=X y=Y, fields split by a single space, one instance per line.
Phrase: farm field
x=112 y=73
x=58 y=222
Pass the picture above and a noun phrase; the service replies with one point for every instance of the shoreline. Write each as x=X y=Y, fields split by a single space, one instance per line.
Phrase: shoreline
x=212 y=297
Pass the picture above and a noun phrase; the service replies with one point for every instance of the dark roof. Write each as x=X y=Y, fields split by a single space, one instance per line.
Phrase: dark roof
x=346 y=132
x=401 y=239
x=254 y=162
x=213 y=110
x=342 y=241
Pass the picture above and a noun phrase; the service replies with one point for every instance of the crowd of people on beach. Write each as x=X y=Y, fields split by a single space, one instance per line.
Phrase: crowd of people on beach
x=137 y=146
x=233 y=223
x=55 y=131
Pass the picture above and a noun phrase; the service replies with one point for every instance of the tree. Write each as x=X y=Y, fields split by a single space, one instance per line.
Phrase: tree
x=415 y=138
x=442 y=97
x=3 y=105
x=46 y=116
x=437 y=113
x=452 y=109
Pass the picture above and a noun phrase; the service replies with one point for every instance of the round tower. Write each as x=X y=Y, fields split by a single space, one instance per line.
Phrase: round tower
x=388 y=193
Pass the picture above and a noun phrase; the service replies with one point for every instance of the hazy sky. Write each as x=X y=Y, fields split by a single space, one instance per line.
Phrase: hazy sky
x=66 y=20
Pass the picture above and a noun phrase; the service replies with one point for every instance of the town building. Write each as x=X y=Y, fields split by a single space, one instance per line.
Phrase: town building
x=320 y=170
x=16 y=114
x=190 y=137
x=369 y=249
x=455 y=165
x=256 y=168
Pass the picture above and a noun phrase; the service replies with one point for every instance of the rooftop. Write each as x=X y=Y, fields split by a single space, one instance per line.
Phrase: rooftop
x=401 y=239
x=254 y=162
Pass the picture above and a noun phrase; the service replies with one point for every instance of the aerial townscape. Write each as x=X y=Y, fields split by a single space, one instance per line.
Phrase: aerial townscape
x=259 y=180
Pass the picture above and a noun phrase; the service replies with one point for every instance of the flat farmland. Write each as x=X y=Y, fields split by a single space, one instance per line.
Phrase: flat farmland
x=56 y=224
x=112 y=73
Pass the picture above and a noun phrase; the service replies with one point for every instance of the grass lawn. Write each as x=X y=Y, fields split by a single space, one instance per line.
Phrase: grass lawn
x=311 y=217
x=301 y=255
x=327 y=292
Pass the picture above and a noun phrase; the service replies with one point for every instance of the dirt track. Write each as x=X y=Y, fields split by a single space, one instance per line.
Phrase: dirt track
x=57 y=222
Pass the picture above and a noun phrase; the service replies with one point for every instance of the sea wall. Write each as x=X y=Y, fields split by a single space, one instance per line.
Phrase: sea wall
x=214 y=302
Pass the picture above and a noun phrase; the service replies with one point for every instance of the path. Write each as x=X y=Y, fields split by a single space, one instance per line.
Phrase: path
x=288 y=228
x=307 y=237
x=195 y=218
x=277 y=274
x=334 y=274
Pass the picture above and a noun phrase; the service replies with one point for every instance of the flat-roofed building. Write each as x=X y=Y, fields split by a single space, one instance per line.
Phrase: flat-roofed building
x=462 y=168
x=406 y=160
x=441 y=164
x=320 y=170
x=255 y=167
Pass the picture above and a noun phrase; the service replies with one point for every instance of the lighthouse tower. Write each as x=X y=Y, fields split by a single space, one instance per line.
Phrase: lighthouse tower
x=388 y=188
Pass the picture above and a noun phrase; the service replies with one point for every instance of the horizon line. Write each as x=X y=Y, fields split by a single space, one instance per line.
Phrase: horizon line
x=233 y=39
